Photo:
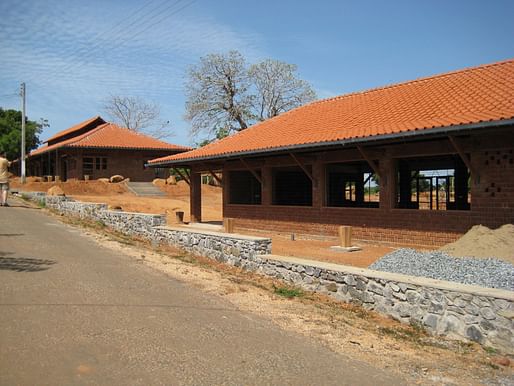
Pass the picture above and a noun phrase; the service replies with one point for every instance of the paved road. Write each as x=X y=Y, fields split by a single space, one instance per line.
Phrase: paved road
x=72 y=312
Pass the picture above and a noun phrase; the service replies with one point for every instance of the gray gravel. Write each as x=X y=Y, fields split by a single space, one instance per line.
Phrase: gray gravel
x=490 y=272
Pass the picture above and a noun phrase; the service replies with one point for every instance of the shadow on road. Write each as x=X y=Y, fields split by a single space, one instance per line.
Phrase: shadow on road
x=23 y=264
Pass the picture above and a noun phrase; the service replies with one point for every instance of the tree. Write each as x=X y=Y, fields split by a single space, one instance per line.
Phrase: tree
x=10 y=133
x=217 y=94
x=136 y=114
x=225 y=95
x=278 y=89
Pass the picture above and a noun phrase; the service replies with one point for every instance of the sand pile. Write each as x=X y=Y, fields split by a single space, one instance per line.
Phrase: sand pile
x=71 y=187
x=481 y=241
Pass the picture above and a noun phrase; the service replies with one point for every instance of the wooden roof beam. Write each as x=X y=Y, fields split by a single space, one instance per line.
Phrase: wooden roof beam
x=305 y=170
x=464 y=156
x=184 y=177
x=245 y=164
x=370 y=161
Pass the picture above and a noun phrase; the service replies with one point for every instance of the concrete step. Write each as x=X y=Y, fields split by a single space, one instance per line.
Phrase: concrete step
x=145 y=189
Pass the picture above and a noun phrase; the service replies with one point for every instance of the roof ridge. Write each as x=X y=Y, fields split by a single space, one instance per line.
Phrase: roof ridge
x=417 y=80
x=138 y=133
x=73 y=128
x=86 y=134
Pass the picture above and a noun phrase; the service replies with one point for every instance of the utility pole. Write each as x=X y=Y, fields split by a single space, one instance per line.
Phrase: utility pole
x=22 y=94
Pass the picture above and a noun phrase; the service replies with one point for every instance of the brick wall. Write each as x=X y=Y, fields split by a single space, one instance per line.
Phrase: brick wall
x=128 y=163
x=492 y=205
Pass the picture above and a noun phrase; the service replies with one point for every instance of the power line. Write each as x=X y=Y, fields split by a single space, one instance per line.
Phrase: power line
x=141 y=22
x=13 y=94
x=83 y=51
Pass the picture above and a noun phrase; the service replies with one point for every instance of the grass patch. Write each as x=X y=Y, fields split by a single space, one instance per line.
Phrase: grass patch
x=288 y=292
x=490 y=350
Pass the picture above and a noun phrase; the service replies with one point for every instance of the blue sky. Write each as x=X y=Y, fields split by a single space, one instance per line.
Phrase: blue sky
x=73 y=54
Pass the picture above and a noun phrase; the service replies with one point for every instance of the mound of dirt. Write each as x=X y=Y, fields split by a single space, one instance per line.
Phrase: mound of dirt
x=72 y=187
x=55 y=191
x=480 y=241
x=116 y=178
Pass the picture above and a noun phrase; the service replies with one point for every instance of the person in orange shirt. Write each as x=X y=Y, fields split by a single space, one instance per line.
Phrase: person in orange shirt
x=4 y=178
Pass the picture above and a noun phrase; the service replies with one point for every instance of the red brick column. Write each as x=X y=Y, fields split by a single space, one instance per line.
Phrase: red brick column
x=266 y=186
x=318 y=185
x=195 y=192
x=387 y=183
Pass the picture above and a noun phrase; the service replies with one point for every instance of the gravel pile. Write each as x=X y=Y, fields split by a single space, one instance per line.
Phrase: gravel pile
x=490 y=272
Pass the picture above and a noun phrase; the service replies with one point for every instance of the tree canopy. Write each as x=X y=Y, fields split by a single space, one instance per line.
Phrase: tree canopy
x=225 y=94
x=137 y=114
x=10 y=133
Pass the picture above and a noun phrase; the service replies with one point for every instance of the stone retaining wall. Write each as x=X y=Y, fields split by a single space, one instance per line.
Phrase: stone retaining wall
x=456 y=310
x=238 y=250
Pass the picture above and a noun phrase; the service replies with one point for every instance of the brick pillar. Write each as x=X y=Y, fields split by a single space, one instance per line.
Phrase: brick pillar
x=318 y=185
x=387 y=183
x=267 y=186
x=57 y=169
x=195 y=193
x=225 y=189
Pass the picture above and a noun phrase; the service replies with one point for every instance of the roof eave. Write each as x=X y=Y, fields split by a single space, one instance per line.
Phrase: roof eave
x=385 y=137
x=109 y=148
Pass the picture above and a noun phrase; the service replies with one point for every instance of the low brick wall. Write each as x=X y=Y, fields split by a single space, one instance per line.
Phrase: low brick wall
x=460 y=311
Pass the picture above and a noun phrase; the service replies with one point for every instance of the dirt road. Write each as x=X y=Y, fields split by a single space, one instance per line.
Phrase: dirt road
x=74 y=312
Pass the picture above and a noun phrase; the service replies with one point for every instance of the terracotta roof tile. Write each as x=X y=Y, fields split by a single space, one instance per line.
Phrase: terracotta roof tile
x=468 y=96
x=75 y=128
x=112 y=136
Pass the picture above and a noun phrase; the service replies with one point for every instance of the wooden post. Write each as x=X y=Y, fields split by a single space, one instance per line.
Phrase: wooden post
x=179 y=217
x=195 y=190
x=228 y=224
x=345 y=236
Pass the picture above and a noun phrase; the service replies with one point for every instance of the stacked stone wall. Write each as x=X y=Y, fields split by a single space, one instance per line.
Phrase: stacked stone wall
x=460 y=311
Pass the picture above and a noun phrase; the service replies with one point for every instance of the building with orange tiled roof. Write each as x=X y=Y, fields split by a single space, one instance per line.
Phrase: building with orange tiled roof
x=99 y=149
x=418 y=162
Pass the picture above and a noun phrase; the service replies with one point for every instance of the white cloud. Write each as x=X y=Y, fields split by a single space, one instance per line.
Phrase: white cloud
x=69 y=62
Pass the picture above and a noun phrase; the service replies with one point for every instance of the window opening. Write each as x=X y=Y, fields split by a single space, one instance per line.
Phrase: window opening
x=244 y=188
x=352 y=184
x=87 y=165
x=433 y=184
x=291 y=186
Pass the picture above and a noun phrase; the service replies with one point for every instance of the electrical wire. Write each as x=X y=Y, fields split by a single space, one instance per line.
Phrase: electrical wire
x=143 y=21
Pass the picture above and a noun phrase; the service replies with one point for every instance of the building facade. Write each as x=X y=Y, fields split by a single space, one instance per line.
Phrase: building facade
x=97 y=149
x=419 y=162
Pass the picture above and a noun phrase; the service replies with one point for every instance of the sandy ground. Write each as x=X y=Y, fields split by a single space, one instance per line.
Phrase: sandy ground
x=344 y=328
x=482 y=242
x=320 y=250
x=117 y=195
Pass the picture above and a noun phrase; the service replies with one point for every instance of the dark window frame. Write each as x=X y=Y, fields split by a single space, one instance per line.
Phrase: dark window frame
x=244 y=188
x=419 y=183
x=348 y=185
x=291 y=186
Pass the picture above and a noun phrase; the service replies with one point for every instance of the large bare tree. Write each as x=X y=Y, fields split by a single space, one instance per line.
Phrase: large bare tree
x=218 y=101
x=136 y=114
x=226 y=95
x=277 y=88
